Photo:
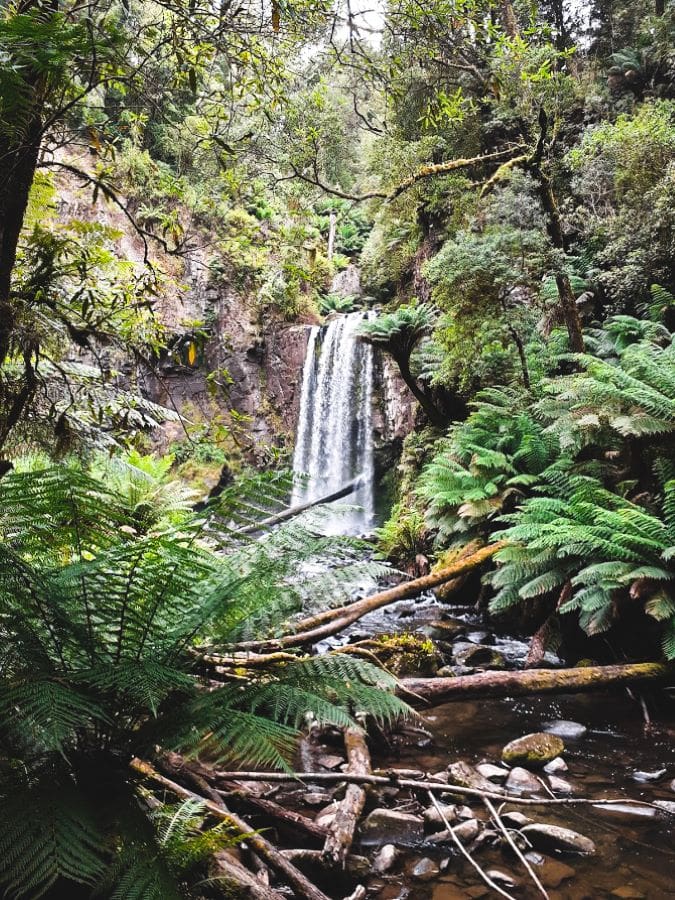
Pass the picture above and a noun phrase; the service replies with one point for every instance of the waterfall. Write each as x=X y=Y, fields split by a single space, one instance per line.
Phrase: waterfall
x=334 y=440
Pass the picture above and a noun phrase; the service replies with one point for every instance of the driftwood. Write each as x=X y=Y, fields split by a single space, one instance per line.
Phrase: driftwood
x=341 y=831
x=227 y=867
x=302 y=886
x=293 y=511
x=531 y=681
x=277 y=814
x=331 y=621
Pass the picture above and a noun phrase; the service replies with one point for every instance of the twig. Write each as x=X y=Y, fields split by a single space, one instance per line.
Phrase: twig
x=462 y=849
x=516 y=849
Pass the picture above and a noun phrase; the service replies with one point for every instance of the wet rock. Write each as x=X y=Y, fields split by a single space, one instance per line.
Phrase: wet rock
x=492 y=773
x=553 y=872
x=425 y=870
x=388 y=826
x=500 y=877
x=667 y=806
x=534 y=750
x=552 y=837
x=434 y=820
x=556 y=766
x=464 y=812
x=478 y=655
x=385 y=859
x=536 y=859
x=480 y=637
x=454 y=671
x=465 y=831
x=441 y=776
x=626 y=813
x=559 y=785
x=445 y=629
x=569 y=731
x=626 y=892
x=644 y=777
x=330 y=761
x=315 y=798
x=325 y=816
x=672 y=785
x=520 y=781
x=515 y=819
x=464 y=775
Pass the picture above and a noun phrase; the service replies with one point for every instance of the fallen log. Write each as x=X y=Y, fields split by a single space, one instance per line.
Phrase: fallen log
x=300 y=884
x=531 y=681
x=331 y=621
x=227 y=867
x=282 y=817
x=341 y=831
x=293 y=511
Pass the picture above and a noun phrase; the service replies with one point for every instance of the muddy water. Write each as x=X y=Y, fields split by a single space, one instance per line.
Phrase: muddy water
x=635 y=857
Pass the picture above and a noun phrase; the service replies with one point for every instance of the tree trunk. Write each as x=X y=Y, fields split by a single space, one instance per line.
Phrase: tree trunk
x=531 y=681
x=434 y=415
x=329 y=622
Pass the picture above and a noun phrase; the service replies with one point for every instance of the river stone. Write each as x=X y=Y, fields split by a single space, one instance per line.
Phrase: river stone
x=553 y=872
x=388 y=826
x=454 y=671
x=569 y=731
x=315 y=798
x=515 y=819
x=500 y=877
x=445 y=629
x=425 y=870
x=627 y=813
x=520 y=781
x=464 y=775
x=552 y=837
x=644 y=777
x=667 y=806
x=467 y=654
x=559 y=785
x=385 y=859
x=325 y=817
x=465 y=831
x=492 y=773
x=556 y=766
x=433 y=819
x=534 y=750
x=626 y=892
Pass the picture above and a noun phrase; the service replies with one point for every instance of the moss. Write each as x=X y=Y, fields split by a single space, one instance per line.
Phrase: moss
x=407 y=654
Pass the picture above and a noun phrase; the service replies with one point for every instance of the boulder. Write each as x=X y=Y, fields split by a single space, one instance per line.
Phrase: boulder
x=533 y=750
x=520 y=781
x=492 y=773
x=477 y=655
x=553 y=837
x=385 y=859
x=563 y=728
x=425 y=870
x=388 y=826
x=556 y=766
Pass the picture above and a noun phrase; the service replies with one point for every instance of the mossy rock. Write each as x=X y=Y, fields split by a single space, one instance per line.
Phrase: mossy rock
x=406 y=654
x=533 y=750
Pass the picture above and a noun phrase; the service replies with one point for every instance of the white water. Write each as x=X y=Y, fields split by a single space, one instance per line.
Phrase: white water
x=334 y=441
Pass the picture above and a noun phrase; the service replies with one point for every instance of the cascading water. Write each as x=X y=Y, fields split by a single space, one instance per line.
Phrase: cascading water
x=334 y=441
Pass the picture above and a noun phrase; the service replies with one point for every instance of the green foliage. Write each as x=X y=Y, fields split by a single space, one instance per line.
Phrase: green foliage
x=399 y=332
x=486 y=464
x=99 y=613
x=403 y=535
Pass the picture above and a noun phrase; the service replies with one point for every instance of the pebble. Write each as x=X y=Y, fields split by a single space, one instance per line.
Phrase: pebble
x=463 y=774
x=533 y=750
x=643 y=777
x=492 y=773
x=385 y=859
x=556 y=766
x=425 y=870
x=520 y=781
x=501 y=877
x=572 y=731
x=551 y=837
x=388 y=826
x=559 y=785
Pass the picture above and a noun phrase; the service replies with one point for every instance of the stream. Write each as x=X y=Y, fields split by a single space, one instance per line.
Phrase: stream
x=635 y=851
